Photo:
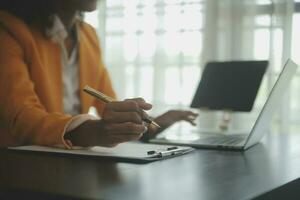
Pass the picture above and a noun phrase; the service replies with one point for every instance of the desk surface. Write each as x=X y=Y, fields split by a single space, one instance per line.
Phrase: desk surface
x=203 y=174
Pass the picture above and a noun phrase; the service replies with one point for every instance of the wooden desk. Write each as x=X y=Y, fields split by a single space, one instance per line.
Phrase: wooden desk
x=204 y=174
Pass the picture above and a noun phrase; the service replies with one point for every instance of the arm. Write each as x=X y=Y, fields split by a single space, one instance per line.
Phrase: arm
x=28 y=121
x=22 y=113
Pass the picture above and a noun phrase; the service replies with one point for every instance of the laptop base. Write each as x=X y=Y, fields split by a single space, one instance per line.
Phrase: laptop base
x=207 y=142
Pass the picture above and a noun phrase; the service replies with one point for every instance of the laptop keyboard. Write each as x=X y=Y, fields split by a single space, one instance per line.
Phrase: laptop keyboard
x=228 y=140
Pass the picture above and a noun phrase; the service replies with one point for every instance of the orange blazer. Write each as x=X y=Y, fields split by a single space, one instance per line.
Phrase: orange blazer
x=31 y=90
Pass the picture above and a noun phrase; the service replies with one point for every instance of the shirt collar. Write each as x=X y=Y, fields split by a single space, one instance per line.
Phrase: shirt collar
x=58 y=32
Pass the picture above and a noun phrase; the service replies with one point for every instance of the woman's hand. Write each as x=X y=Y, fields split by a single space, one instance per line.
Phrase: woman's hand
x=121 y=122
x=167 y=119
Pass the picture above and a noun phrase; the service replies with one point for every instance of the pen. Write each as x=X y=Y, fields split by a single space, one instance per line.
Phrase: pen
x=169 y=152
x=100 y=96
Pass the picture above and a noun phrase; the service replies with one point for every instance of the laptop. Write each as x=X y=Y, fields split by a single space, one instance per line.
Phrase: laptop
x=260 y=127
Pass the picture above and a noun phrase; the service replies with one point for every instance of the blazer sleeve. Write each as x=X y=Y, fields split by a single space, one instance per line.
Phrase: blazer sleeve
x=21 y=112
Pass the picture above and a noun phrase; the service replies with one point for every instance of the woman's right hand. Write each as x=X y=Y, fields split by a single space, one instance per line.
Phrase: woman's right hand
x=121 y=122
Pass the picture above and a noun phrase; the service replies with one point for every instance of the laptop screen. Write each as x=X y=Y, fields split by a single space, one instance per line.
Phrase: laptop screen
x=229 y=85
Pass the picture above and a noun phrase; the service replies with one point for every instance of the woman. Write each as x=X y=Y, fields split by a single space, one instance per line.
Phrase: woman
x=47 y=55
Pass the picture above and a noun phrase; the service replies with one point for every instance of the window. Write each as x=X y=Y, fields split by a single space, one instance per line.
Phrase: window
x=156 y=49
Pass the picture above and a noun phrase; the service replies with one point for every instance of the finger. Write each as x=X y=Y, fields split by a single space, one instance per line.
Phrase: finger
x=119 y=117
x=194 y=114
x=144 y=115
x=127 y=128
x=192 y=122
x=141 y=103
x=189 y=115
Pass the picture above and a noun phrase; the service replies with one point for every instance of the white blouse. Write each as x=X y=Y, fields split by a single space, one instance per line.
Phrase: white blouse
x=70 y=75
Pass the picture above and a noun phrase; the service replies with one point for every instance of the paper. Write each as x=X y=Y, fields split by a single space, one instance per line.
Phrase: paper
x=128 y=150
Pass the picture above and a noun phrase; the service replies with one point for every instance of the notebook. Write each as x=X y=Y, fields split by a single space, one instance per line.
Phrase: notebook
x=129 y=151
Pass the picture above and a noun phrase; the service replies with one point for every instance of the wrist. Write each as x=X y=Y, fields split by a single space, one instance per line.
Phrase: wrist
x=85 y=134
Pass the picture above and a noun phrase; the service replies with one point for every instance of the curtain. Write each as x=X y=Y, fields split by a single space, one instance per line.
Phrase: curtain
x=157 y=49
x=251 y=30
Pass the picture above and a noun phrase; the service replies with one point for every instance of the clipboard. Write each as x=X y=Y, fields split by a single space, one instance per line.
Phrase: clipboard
x=128 y=152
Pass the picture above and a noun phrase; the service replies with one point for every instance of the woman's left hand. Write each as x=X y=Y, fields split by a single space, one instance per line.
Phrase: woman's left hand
x=170 y=117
